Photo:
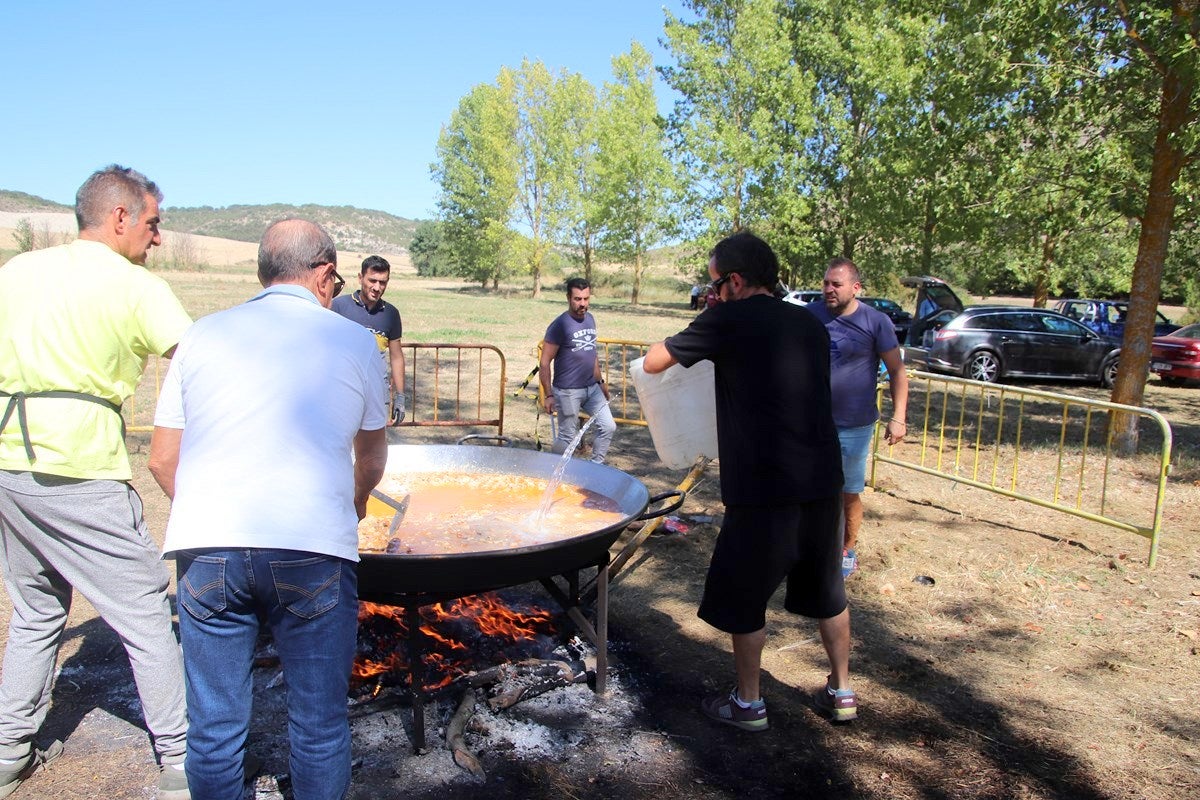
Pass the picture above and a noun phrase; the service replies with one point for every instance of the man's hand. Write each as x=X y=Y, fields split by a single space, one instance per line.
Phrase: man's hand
x=550 y=404
x=397 y=408
x=894 y=430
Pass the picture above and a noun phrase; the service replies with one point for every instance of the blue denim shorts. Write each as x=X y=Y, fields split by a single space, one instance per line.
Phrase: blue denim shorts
x=856 y=446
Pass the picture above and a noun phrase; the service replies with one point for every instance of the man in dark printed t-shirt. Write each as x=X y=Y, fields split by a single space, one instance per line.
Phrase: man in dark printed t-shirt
x=577 y=385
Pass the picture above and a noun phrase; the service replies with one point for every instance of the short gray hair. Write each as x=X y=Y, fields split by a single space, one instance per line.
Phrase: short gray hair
x=291 y=247
x=111 y=187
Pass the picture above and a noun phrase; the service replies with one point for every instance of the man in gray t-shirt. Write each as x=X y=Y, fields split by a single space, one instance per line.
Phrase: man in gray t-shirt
x=859 y=337
x=570 y=346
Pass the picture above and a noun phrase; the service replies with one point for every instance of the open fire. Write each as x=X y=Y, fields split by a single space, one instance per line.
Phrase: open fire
x=458 y=636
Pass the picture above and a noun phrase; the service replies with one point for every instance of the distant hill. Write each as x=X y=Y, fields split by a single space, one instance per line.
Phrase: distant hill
x=352 y=228
x=19 y=201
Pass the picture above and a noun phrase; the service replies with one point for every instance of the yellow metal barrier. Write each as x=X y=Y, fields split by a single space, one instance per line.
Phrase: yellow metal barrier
x=1053 y=450
x=449 y=387
x=447 y=384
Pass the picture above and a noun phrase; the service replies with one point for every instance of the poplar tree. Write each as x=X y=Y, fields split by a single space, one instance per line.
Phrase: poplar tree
x=476 y=174
x=634 y=174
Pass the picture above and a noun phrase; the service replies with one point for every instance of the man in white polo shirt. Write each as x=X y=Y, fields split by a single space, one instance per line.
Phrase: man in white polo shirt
x=269 y=436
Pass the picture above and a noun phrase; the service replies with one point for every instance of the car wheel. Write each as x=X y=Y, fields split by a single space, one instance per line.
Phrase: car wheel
x=983 y=366
x=1108 y=373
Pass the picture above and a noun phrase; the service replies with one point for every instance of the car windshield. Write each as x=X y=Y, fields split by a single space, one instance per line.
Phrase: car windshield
x=882 y=305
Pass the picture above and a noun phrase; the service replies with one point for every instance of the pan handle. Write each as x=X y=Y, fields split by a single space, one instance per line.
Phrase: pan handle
x=480 y=438
x=662 y=512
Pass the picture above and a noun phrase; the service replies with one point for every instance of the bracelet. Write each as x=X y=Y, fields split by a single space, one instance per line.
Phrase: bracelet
x=902 y=422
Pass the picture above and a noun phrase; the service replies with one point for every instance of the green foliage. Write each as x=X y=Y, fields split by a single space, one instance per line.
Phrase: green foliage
x=23 y=235
x=476 y=172
x=429 y=253
x=634 y=175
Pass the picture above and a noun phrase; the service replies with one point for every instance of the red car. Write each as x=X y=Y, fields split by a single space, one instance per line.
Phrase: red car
x=1176 y=358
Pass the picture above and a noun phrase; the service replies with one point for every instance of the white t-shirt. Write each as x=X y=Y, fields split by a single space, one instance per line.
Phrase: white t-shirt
x=270 y=395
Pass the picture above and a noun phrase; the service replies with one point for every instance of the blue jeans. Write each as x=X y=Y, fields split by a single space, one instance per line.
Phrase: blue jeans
x=310 y=604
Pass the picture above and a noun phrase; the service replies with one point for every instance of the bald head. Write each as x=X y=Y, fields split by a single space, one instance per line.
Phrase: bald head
x=290 y=248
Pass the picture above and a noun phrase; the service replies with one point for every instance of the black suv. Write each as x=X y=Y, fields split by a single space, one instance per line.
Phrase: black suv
x=987 y=343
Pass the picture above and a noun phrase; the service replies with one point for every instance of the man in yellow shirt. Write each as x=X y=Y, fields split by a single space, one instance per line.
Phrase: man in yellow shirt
x=69 y=518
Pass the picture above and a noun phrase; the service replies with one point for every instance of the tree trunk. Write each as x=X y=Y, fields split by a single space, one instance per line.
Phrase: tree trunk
x=1041 y=283
x=927 y=231
x=1152 y=250
x=637 y=279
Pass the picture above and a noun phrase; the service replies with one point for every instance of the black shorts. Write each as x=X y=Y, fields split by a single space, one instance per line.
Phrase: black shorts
x=760 y=546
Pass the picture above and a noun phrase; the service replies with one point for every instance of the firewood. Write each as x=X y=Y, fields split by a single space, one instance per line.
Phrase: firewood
x=546 y=676
x=454 y=736
x=529 y=667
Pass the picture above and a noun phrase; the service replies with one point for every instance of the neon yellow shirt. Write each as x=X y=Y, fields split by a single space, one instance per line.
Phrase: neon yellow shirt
x=79 y=318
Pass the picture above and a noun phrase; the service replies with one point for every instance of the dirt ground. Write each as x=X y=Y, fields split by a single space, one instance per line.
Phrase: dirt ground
x=1045 y=660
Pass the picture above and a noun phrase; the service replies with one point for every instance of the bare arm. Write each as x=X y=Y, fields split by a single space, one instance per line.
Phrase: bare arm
x=549 y=351
x=164 y=457
x=396 y=356
x=896 y=427
x=658 y=358
x=370 y=457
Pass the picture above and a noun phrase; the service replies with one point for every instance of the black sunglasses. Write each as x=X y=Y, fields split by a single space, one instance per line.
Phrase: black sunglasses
x=338 y=281
x=721 y=281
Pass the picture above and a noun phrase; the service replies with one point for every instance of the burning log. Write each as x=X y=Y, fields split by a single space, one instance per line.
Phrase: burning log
x=532 y=677
x=454 y=736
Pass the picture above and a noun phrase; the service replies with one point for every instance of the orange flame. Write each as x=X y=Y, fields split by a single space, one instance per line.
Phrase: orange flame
x=486 y=613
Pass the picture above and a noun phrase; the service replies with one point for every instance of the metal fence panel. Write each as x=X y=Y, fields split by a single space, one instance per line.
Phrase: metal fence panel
x=1054 y=450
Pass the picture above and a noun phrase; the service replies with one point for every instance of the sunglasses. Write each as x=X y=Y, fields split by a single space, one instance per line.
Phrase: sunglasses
x=338 y=281
x=721 y=281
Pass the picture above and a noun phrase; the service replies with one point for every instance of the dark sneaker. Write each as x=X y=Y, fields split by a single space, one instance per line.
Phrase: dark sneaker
x=839 y=706
x=12 y=775
x=723 y=708
x=172 y=784
x=849 y=563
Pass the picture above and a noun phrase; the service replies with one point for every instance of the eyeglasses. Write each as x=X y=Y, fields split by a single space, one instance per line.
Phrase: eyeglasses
x=338 y=281
x=721 y=281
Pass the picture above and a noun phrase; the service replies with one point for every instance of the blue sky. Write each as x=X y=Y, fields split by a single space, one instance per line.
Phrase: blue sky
x=336 y=103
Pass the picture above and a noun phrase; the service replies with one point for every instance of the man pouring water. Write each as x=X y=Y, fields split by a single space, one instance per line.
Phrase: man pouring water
x=577 y=385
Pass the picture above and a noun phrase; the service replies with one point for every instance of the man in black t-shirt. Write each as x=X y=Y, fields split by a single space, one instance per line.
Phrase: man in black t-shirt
x=781 y=476
x=368 y=308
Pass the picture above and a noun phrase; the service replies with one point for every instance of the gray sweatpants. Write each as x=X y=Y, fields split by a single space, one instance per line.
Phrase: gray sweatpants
x=58 y=533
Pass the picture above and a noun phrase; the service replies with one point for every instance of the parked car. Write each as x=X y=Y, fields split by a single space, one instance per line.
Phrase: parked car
x=1107 y=317
x=901 y=319
x=937 y=304
x=1176 y=358
x=988 y=343
x=803 y=297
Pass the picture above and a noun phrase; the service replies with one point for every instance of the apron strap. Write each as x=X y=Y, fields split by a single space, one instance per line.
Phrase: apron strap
x=16 y=403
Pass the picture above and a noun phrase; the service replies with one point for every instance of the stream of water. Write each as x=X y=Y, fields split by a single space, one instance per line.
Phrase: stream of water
x=539 y=519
